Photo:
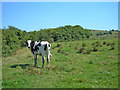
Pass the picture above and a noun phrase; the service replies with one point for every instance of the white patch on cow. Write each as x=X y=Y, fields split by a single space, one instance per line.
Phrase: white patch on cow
x=28 y=41
x=36 y=42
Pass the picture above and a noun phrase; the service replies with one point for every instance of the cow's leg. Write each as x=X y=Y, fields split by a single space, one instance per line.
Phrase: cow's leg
x=50 y=54
x=35 y=58
x=48 y=57
x=43 y=59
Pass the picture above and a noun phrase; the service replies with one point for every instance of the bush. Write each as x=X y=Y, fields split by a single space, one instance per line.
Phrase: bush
x=83 y=44
x=97 y=43
x=76 y=48
x=108 y=44
x=95 y=49
x=100 y=45
x=104 y=42
x=112 y=47
x=87 y=51
x=112 y=44
x=58 y=45
x=59 y=51
x=81 y=50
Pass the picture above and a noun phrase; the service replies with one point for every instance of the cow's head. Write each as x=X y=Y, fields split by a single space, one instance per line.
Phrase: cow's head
x=28 y=43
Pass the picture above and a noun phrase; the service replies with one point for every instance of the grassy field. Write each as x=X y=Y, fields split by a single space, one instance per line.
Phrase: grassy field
x=77 y=64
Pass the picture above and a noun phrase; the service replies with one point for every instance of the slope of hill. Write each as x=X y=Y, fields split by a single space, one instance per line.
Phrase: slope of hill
x=76 y=64
x=13 y=38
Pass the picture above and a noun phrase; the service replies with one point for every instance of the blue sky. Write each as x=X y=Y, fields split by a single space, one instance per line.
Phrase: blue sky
x=32 y=16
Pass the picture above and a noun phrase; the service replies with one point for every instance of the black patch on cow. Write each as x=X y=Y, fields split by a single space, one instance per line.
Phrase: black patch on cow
x=31 y=45
x=36 y=47
x=49 y=45
x=39 y=43
x=45 y=47
x=26 y=43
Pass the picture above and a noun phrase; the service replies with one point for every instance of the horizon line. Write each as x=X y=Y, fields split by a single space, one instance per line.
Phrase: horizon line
x=57 y=27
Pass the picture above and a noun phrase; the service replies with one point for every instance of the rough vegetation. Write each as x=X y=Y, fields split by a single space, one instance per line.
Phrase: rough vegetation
x=80 y=59
x=68 y=68
x=14 y=38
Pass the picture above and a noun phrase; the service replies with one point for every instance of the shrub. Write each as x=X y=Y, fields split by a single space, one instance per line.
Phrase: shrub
x=83 y=44
x=108 y=44
x=70 y=44
x=100 y=45
x=81 y=50
x=58 y=45
x=101 y=50
x=76 y=48
x=91 y=62
x=97 y=43
x=59 y=51
x=87 y=51
x=112 y=47
x=95 y=49
x=93 y=43
x=104 y=42
x=112 y=44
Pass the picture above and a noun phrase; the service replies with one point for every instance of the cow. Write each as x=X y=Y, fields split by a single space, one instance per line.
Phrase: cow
x=39 y=48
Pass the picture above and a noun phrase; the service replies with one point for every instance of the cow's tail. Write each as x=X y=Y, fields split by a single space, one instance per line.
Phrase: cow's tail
x=48 y=49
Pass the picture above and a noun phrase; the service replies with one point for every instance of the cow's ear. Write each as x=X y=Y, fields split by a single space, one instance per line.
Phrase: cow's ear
x=25 y=42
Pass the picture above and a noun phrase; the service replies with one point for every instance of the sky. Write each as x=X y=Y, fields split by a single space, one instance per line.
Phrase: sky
x=32 y=16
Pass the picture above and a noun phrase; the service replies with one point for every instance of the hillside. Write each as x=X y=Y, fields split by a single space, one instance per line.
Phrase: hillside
x=76 y=64
x=14 y=38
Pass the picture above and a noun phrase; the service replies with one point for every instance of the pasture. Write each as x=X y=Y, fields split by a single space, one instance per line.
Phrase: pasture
x=75 y=64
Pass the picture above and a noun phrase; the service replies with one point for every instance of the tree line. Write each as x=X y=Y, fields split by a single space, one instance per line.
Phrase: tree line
x=14 y=38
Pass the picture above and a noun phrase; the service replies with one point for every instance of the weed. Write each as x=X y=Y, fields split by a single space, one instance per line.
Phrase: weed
x=112 y=44
x=93 y=43
x=59 y=51
x=81 y=50
x=100 y=45
x=97 y=44
x=58 y=45
x=108 y=44
x=112 y=47
x=70 y=45
x=104 y=42
x=90 y=62
x=95 y=49
x=76 y=48
x=83 y=44
x=101 y=50
x=87 y=51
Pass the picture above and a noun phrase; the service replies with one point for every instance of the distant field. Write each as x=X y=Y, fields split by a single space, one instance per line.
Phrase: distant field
x=97 y=34
x=76 y=64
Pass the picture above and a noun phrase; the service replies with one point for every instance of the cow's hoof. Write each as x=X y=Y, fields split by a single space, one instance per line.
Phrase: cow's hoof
x=38 y=66
x=48 y=65
x=34 y=66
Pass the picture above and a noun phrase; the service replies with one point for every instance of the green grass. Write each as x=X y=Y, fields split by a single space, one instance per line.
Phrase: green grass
x=68 y=68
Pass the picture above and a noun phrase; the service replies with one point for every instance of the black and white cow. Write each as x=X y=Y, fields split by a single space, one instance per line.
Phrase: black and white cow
x=39 y=48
